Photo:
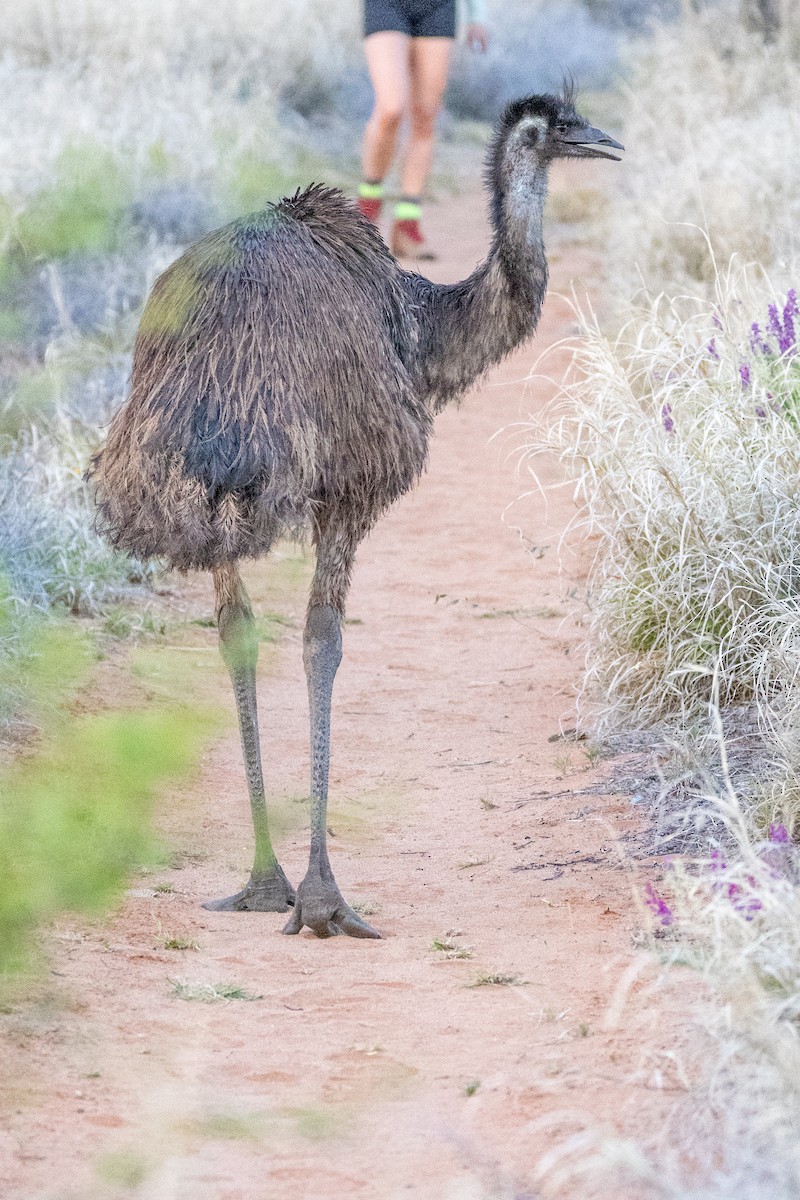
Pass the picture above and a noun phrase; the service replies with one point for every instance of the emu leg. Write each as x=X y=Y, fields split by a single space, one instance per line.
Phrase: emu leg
x=268 y=889
x=319 y=903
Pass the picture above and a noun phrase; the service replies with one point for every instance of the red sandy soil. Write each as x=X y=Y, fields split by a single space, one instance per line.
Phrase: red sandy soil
x=366 y=1068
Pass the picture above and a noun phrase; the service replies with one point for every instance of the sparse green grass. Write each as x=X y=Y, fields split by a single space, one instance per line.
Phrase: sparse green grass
x=180 y=943
x=543 y=612
x=472 y=1087
x=496 y=979
x=123 y=1168
x=211 y=993
x=117 y=621
x=593 y=754
x=271 y=626
x=164 y=889
x=449 y=948
x=365 y=907
x=228 y=1127
x=315 y=1123
x=75 y=817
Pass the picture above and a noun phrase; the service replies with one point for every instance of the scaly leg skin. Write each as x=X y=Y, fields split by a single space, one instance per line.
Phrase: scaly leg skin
x=268 y=889
x=319 y=903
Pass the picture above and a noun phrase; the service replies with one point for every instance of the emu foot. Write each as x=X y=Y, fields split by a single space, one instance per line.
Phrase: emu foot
x=320 y=906
x=264 y=892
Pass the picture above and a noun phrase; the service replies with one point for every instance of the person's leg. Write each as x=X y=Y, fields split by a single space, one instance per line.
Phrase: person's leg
x=429 y=61
x=387 y=59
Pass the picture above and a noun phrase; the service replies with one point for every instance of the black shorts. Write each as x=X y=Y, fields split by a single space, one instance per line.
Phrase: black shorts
x=417 y=18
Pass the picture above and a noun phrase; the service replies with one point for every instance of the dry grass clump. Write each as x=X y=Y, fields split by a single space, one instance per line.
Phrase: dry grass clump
x=734 y=920
x=210 y=993
x=682 y=435
x=712 y=109
x=196 y=85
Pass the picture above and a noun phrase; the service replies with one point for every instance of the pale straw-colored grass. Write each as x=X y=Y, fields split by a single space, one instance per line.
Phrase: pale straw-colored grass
x=198 y=83
x=690 y=478
x=733 y=920
x=681 y=433
x=712 y=118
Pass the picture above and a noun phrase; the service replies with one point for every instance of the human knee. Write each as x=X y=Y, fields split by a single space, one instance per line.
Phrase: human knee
x=388 y=117
x=423 y=119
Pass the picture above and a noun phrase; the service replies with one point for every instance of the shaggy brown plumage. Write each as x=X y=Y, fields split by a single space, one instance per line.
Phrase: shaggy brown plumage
x=285 y=377
x=271 y=378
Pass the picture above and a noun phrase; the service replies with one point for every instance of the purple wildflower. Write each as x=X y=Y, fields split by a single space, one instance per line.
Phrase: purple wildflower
x=774 y=324
x=658 y=905
x=761 y=413
x=779 y=834
x=758 y=343
x=711 y=349
x=717 y=319
x=786 y=340
x=745 y=905
x=744 y=375
x=666 y=418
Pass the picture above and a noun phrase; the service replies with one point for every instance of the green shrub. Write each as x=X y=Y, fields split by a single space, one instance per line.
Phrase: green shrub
x=80 y=210
x=75 y=817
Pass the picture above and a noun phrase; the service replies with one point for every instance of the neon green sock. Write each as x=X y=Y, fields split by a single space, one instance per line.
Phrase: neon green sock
x=407 y=210
x=370 y=191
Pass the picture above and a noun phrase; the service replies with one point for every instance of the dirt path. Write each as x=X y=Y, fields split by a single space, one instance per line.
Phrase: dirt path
x=373 y=1068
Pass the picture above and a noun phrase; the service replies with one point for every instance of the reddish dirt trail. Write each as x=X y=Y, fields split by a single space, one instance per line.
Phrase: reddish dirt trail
x=372 y=1068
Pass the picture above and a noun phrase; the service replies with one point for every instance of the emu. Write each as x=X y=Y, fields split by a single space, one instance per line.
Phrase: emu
x=285 y=378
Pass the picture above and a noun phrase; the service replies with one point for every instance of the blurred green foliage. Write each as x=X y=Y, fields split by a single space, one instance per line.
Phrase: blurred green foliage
x=82 y=209
x=33 y=399
x=75 y=816
x=255 y=181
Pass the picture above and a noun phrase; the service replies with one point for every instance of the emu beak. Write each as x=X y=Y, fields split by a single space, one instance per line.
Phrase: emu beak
x=585 y=143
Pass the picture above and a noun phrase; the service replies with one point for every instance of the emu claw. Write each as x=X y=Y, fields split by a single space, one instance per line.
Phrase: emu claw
x=262 y=893
x=320 y=906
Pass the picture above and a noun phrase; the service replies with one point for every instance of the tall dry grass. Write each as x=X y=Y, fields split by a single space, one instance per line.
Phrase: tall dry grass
x=682 y=433
x=200 y=84
x=681 y=429
x=712 y=118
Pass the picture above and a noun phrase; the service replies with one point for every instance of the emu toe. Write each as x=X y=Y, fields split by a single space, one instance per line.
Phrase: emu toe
x=319 y=905
x=262 y=893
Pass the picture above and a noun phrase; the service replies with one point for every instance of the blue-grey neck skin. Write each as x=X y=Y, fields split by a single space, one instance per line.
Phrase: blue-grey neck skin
x=468 y=327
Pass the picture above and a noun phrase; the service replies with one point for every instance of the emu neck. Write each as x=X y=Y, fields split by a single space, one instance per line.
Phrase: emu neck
x=467 y=327
x=519 y=243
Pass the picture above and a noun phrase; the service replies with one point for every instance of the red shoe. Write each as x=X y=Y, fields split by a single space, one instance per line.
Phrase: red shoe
x=407 y=241
x=371 y=209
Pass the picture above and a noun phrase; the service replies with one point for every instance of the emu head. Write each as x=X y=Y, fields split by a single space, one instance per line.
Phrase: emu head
x=536 y=130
